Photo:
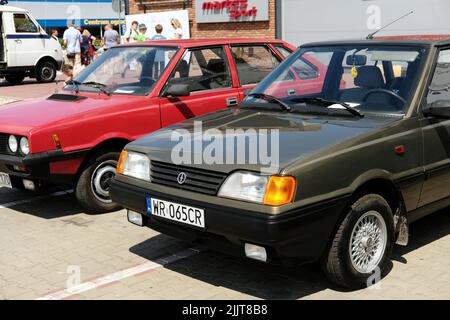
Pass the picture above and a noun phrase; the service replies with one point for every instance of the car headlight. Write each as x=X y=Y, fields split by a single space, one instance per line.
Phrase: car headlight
x=24 y=146
x=133 y=164
x=12 y=143
x=268 y=190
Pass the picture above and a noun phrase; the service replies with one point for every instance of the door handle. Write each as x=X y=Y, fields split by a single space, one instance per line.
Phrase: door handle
x=18 y=41
x=231 y=102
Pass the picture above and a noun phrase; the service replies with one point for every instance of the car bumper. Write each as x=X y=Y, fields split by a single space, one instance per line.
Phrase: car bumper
x=295 y=237
x=38 y=166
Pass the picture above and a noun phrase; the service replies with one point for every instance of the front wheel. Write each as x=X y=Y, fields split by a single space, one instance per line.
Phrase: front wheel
x=360 y=252
x=92 y=187
x=15 y=79
x=46 y=72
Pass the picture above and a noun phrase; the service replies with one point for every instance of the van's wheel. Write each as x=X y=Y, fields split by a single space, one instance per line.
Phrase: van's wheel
x=46 y=72
x=92 y=186
x=15 y=79
x=362 y=245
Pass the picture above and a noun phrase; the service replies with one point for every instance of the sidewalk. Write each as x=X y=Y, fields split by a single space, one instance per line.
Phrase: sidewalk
x=5 y=100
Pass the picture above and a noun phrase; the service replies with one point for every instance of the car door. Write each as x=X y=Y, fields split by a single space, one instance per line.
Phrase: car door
x=436 y=136
x=207 y=72
x=25 y=41
x=253 y=63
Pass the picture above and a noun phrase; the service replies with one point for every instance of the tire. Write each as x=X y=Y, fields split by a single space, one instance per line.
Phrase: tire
x=351 y=271
x=15 y=79
x=92 y=186
x=45 y=72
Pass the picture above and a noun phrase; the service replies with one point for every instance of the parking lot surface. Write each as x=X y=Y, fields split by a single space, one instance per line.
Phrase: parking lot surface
x=51 y=249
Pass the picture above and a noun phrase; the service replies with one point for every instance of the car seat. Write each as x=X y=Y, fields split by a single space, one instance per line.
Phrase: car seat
x=368 y=78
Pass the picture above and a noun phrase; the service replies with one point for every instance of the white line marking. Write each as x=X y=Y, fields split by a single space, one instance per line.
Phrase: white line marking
x=120 y=275
x=19 y=202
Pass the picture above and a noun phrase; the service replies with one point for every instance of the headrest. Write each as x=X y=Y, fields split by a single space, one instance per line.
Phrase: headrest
x=216 y=66
x=369 y=77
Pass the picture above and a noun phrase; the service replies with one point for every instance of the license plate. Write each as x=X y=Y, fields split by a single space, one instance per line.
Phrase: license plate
x=5 y=181
x=176 y=212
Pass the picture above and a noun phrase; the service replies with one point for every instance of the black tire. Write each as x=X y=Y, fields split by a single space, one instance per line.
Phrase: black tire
x=86 y=192
x=338 y=264
x=15 y=79
x=46 y=72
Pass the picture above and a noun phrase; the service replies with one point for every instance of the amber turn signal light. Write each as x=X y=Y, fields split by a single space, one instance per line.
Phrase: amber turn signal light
x=279 y=191
x=121 y=164
x=56 y=141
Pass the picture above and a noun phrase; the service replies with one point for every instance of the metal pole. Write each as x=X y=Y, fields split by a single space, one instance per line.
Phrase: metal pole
x=120 y=18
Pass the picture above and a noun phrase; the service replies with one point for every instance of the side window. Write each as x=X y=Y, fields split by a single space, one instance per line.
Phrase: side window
x=203 y=69
x=23 y=23
x=253 y=63
x=305 y=69
x=440 y=85
x=285 y=52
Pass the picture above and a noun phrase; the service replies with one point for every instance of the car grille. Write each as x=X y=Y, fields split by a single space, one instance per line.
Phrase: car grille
x=4 y=143
x=197 y=180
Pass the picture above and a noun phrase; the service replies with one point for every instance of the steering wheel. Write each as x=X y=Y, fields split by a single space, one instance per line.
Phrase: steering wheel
x=385 y=91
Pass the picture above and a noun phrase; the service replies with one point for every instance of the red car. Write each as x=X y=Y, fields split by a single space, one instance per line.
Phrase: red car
x=75 y=137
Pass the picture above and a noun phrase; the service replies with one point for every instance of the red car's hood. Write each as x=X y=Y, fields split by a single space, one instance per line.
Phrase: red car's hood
x=26 y=116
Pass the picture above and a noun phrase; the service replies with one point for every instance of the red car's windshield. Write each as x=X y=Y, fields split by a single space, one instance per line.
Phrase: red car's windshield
x=125 y=70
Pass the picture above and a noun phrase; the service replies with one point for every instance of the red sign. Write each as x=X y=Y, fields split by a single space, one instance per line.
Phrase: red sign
x=236 y=8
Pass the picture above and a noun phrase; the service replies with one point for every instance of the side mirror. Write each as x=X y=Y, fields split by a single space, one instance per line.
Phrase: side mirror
x=177 y=90
x=438 y=109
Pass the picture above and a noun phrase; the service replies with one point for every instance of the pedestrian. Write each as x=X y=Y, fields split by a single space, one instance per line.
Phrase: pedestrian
x=158 y=35
x=160 y=59
x=142 y=31
x=67 y=70
x=132 y=33
x=178 y=33
x=72 y=42
x=55 y=34
x=110 y=37
x=87 y=48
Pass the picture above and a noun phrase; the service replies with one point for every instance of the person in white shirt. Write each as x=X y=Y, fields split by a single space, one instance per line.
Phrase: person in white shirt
x=178 y=33
x=132 y=33
x=72 y=42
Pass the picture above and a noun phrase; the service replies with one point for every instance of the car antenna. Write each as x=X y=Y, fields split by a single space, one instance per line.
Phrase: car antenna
x=370 y=36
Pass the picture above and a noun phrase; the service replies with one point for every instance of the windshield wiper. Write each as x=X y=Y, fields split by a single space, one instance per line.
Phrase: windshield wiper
x=76 y=84
x=270 y=99
x=328 y=103
x=97 y=85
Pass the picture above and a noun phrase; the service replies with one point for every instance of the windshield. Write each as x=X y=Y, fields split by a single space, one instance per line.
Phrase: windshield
x=125 y=70
x=373 y=78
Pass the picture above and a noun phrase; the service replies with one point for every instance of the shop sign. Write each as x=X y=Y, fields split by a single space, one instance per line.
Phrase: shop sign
x=231 y=11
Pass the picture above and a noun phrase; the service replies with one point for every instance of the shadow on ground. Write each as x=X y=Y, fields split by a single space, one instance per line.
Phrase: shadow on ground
x=43 y=204
x=274 y=282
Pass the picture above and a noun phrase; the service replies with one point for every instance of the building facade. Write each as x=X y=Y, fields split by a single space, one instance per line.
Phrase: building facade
x=54 y=14
x=219 y=19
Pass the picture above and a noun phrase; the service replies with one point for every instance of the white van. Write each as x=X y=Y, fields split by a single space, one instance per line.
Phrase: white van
x=26 y=50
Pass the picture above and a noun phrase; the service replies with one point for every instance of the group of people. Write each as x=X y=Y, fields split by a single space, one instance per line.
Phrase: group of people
x=80 y=48
x=138 y=32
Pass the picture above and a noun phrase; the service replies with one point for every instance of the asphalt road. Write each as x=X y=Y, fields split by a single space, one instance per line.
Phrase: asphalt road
x=51 y=249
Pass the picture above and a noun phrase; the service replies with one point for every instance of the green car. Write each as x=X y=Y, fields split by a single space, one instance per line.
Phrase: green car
x=329 y=159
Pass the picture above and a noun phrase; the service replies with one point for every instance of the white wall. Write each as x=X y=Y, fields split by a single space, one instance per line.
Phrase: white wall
x=318 y=20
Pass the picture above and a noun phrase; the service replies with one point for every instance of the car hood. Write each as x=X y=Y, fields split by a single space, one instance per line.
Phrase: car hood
x=24 y=117
x=292 y=136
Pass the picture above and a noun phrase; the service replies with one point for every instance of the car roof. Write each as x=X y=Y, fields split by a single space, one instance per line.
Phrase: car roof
x=203 y=42
x=378 y=42
x=11 y=9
